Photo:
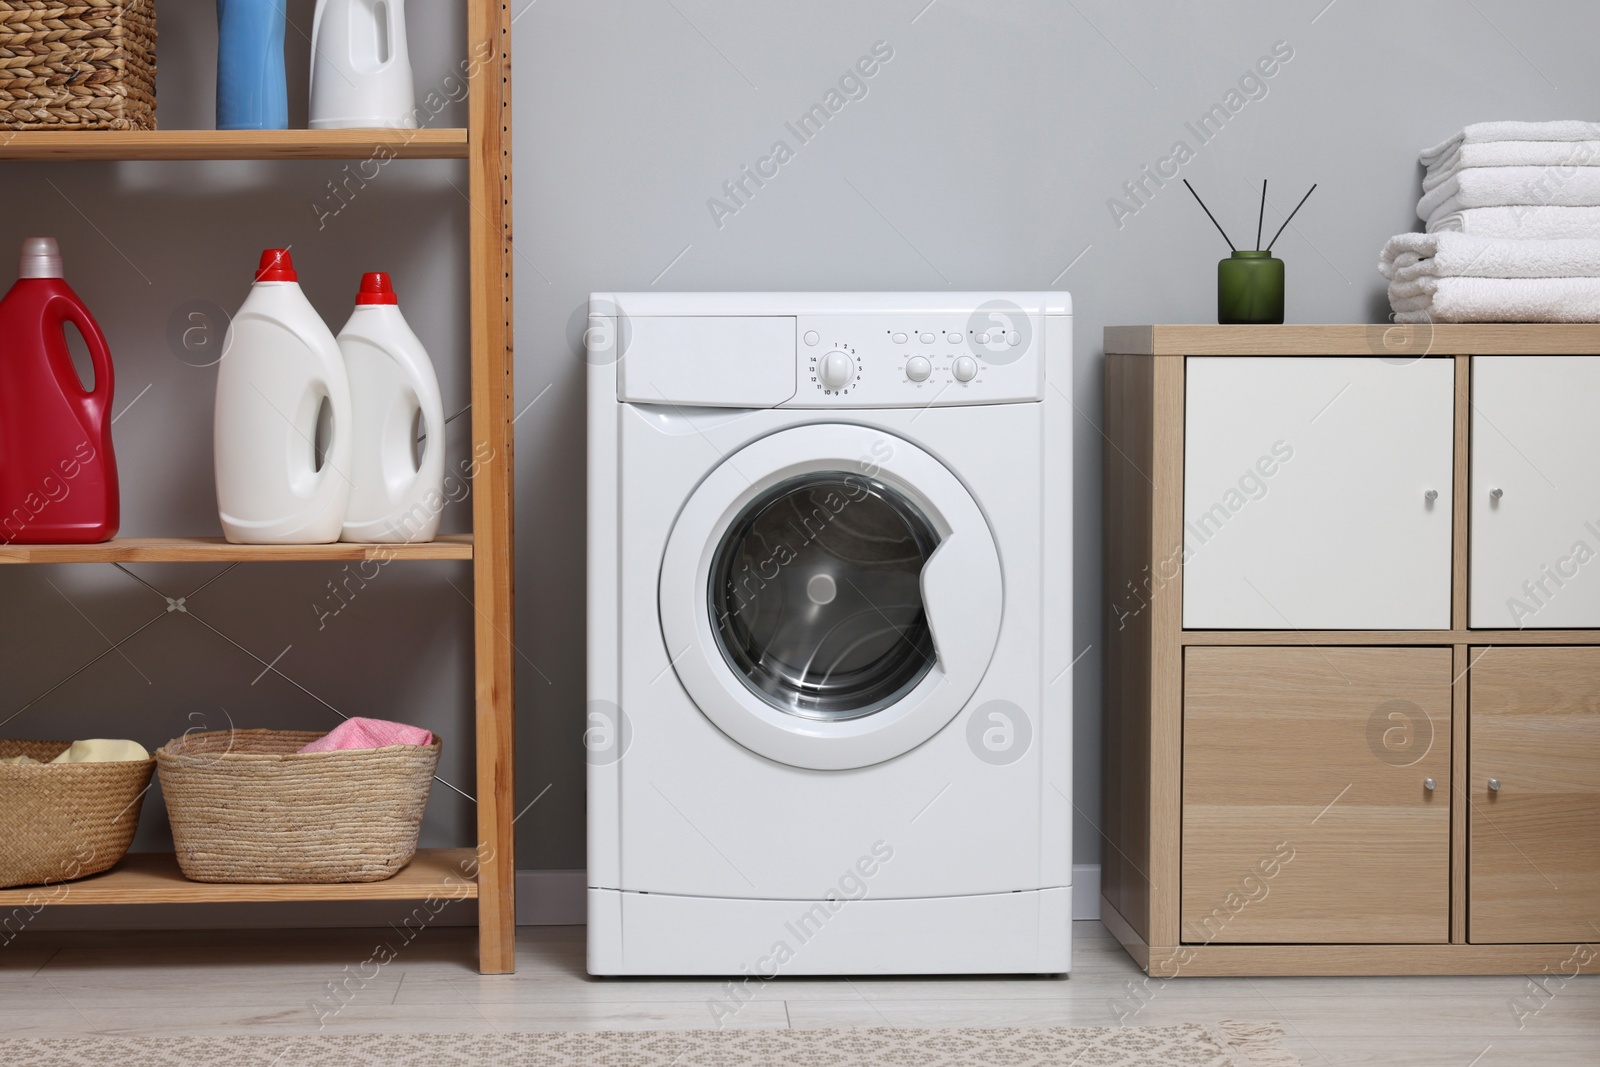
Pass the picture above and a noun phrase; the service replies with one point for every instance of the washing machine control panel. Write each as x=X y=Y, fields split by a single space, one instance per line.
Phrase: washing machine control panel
x=989 y=356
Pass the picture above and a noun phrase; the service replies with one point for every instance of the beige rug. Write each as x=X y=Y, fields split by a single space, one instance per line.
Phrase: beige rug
x=1189 y=1045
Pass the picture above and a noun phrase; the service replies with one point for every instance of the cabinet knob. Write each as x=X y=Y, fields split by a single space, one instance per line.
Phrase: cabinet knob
x=1432 y=495
x=1429 y=784
x=1494 y=785
x=1496 y=494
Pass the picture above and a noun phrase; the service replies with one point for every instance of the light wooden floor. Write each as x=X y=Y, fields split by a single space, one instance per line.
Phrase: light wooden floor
x=154 y=983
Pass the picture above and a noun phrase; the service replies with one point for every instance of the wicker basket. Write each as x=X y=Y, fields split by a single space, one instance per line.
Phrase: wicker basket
x=247 y=806
x=67 y=822
x=84 y=65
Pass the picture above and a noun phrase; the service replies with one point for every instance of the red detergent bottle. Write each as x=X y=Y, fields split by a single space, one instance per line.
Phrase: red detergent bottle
x=58 y=477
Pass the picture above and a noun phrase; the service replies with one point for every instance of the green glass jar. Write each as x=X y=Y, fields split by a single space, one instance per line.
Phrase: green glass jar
x=1249 y=289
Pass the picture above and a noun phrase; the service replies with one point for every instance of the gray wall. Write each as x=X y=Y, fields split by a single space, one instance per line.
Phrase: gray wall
x=981 y=157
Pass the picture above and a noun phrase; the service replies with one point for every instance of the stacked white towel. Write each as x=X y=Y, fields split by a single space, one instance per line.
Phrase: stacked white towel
x=1512 y=213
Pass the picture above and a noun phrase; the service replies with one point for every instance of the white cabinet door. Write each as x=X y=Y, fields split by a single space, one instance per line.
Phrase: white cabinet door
x=1317 y=493
x=1535 y=560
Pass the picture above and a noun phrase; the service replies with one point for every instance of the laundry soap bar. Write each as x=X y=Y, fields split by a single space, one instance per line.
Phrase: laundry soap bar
x=100 y=750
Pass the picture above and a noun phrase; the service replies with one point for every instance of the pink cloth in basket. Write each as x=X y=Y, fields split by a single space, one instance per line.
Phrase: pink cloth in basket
x=369 y=733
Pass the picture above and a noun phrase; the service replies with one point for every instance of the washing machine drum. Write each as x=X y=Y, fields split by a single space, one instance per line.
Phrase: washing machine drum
x=825 y=611
x=817 y=597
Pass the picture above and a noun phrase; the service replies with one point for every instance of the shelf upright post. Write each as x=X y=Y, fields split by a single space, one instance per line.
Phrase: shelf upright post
x=489 y=163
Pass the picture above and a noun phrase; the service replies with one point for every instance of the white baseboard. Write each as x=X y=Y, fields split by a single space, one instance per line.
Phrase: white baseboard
x=1086 y=891
x=552 y=898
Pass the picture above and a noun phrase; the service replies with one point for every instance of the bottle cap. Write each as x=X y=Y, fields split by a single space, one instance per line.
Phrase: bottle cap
x=376 y=289
x=41 y=258
x=276 y=266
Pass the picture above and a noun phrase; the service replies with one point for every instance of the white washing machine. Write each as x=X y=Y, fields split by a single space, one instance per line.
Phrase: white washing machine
x=830 y=608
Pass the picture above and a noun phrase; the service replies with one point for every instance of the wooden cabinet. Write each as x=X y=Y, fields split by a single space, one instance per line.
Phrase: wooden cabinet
x=1535 y=560
x=1307 y=809
x=1317 y=493
x=1534 y=795
x=1309 y=578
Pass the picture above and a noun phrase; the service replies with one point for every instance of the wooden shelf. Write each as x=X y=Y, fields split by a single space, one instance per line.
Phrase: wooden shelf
x=154 y=878
x=72 y=145
x=1375 y=339
x=216 y=550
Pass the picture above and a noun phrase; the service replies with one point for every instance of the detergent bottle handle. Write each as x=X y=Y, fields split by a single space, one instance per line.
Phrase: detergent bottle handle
x=95 y=403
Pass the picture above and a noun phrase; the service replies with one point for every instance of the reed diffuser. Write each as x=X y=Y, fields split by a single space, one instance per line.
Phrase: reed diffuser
x=1250 y=283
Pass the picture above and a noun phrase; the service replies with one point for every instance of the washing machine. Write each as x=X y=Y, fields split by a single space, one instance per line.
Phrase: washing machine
x=829 y=706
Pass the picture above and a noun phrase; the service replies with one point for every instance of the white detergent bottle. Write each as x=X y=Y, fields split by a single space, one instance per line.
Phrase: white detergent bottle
x=361 y=66
x=395 y=496
x=281 y=371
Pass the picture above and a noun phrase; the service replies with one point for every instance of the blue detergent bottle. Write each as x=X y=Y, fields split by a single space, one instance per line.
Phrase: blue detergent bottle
x=252 y=93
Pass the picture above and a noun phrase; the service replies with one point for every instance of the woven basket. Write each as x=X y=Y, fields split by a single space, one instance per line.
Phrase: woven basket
x=247 y=806
x=84 y=65
x=62 y=823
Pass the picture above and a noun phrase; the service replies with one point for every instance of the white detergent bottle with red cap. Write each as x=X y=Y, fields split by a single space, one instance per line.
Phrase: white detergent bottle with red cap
x=396 y=492
x=282 y=392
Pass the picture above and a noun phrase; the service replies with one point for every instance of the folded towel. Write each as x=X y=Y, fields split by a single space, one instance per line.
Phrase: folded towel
x=1513 y=186
x=1495 y=300
x=369 y=733
x=100 y=750
x=1512 y=154
x=1482 y=132
x=1528 y=223
x=20 y=760
x=1460 y=255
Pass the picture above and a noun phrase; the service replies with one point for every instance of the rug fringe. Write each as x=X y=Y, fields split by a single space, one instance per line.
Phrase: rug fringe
x=1257 y=1044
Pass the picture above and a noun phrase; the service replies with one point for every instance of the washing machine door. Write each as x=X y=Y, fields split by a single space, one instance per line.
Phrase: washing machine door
x=830 y=596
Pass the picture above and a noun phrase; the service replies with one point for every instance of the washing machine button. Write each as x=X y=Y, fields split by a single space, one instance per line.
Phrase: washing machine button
x=918 y=368
x=900 y=338
x=965 y=369
x=812 y=338
x=926 y=338
x=837 y=369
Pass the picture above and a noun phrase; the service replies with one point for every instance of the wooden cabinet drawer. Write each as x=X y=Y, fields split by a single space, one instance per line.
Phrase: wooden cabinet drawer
x=1306 y=485
x=1534 y=843
x=1306 y=816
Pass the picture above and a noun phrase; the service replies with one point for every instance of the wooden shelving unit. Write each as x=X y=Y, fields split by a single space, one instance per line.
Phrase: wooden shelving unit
x=486 y=872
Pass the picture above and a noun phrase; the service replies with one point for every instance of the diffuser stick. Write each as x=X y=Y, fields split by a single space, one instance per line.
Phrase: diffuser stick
x=1292 y=214
x=1262 y=217
x=1210 y=216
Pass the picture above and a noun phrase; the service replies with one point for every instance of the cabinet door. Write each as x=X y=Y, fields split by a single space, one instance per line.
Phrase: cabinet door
x=1306 y=493
x=1535 y=492
x=1534 y=859
x=1307 y=816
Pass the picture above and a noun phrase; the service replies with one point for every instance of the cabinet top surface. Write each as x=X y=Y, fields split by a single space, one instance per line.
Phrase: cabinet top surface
x=1378 y=339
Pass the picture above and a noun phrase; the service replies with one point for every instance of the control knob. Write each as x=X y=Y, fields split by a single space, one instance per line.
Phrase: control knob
x=836 y=370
